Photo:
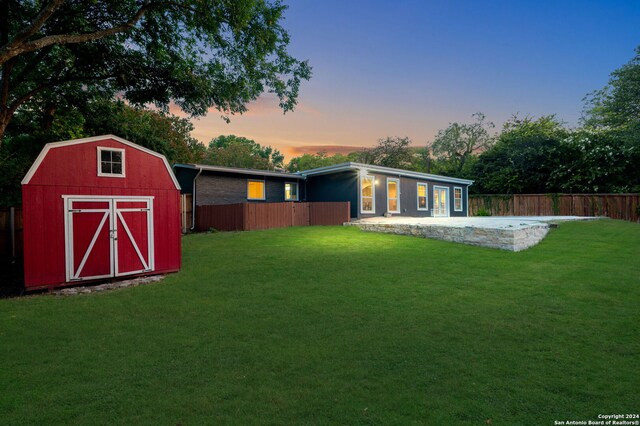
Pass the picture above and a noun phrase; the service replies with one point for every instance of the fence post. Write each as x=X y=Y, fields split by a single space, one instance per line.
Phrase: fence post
x=12 y=231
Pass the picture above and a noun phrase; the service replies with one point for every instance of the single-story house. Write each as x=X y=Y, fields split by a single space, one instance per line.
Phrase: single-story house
x=376 y=190
x=371 y=190
x=212 y=185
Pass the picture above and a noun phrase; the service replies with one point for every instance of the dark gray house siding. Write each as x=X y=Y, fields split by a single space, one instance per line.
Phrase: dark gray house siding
x=409 y=197
x=342 y=186
x=345 y=186
x=222 y=185
x=230 y=186
x=231 y=189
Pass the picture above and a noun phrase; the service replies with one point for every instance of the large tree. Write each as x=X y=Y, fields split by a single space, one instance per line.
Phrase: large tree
x=523 y=158
x=319 y=159
x=238 y=151
x=617 y=105
x=389 y=152
x=167 y=134
x=198 y=54
x=455 y=145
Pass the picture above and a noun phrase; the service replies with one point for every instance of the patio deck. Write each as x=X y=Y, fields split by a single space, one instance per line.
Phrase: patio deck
x=513 y=233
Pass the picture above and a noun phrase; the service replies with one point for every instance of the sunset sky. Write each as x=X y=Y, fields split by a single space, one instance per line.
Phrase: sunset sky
x=409 y=68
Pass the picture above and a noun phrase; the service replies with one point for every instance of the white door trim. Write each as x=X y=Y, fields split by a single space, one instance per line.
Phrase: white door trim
x=112 y=215
x=70 y=273
x=436 y=208
x=397 y=181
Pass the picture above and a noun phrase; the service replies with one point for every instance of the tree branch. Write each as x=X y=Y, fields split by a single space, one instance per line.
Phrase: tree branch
x=52 y=83
x=13 y=49
x=35 y=26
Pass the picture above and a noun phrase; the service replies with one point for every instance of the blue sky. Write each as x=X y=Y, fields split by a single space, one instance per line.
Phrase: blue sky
x=409 y=68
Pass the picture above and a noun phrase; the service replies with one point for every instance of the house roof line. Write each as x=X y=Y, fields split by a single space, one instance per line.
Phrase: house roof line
x=381 y=169
x=238 y=170
x=52 y=145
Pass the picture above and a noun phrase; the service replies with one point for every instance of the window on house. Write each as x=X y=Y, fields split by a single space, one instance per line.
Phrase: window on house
x=110 y=162
x=255 y=190
x=457 y=199
x=367 y=194
x=423 y=204
x=291 y=191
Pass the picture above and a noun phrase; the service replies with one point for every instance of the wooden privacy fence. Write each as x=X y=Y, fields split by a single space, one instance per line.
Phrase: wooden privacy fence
x=615 y=206
x=11 y=232
x=252 y=216
x=186 y=212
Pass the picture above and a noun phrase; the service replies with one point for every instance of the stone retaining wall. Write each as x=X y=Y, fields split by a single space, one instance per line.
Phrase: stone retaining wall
x=515 y=239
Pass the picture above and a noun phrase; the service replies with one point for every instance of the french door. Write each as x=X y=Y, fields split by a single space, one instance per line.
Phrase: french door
x=440 y=201
x=108 y=236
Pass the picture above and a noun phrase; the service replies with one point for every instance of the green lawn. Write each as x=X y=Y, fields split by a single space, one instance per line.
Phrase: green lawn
x=330 y=325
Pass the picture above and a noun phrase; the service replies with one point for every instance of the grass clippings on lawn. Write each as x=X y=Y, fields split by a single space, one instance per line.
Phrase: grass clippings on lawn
x=330 y=325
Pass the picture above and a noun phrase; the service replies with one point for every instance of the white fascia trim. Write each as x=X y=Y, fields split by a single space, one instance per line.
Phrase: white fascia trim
x=47 y=147
x=381 y=169
x=253 y=172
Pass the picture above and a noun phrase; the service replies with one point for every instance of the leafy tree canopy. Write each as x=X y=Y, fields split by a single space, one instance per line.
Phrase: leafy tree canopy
x=389 y=152
x=319 y=159
x=198 y=54
x=617 y=105
x=166 y=134
x=456 y=144
x=593 y=160
x=521 y=161
x=238 y=151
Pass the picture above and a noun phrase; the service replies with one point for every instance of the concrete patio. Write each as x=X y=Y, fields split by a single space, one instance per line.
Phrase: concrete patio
x=513 y=233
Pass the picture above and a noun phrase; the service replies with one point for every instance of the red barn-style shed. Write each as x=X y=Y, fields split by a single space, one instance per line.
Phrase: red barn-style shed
x=99 y=208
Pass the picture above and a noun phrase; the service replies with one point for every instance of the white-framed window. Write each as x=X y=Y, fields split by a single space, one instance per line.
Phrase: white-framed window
x=111 y=162
x=367 y=194
x=457 y=198
x=423 y=200
x=255 y=189
x=291 y=191
x=393 y=195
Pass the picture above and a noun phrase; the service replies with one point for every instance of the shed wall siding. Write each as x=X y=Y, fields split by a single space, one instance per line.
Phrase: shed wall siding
x=72 y=170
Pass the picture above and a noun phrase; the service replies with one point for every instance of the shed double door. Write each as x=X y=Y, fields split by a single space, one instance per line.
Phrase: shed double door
x=108 y=236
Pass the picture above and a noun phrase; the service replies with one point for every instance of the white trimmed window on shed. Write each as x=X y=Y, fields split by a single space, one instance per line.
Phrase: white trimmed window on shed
x=457 y=199
x=110 y=162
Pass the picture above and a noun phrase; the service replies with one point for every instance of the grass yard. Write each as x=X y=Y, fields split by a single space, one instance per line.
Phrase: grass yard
x=336 y=326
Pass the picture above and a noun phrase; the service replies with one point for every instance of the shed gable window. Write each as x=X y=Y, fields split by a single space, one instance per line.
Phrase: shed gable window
x=367 y=194
x=110 y=162
x=291 y=191
x=457 y=199
x=255 y=190
x=423 y=202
